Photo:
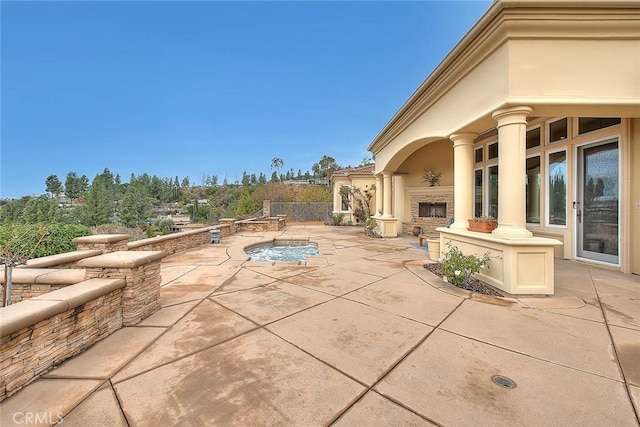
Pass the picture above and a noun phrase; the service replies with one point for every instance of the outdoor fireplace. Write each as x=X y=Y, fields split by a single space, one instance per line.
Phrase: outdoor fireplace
x=432 y=209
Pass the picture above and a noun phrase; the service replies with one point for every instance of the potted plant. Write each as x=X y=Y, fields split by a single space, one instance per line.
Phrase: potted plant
x=483 y=224
x=431 y=178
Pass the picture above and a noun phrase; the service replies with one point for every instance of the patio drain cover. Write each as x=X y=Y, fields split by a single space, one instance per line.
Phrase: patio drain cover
x=504 y=381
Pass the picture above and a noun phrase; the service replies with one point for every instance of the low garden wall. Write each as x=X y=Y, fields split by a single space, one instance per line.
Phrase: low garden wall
x=42 y=332
x=120 y=289
x=65 y=303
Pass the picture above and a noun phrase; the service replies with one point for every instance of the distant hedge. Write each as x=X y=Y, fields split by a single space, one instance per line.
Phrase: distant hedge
x=38 y=240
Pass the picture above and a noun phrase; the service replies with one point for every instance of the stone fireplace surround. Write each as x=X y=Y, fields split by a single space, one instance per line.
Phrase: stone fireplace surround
x=417 y=195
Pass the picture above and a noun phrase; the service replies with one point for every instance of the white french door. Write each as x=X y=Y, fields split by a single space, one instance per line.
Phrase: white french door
x=597 y=208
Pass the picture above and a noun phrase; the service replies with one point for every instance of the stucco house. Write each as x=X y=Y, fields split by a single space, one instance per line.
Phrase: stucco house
x=360 y=177
x=534 y=118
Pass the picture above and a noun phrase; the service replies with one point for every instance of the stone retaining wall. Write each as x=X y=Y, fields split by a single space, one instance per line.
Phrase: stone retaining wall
x=44 y=331
x=175 y=242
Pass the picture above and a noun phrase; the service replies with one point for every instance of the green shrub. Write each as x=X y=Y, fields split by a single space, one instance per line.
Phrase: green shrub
x=371 y=228
x=458 y=267
x=337 y=219
x=38 y=240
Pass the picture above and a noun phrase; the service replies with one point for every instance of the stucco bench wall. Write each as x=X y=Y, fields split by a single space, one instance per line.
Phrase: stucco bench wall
x=39 y=333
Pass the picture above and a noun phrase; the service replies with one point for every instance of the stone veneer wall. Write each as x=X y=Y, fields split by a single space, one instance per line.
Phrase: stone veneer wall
x=175 y=242
x=141 y=272
x=431 y=195
x=141 y=295
x=25 y=291
x=62 y=330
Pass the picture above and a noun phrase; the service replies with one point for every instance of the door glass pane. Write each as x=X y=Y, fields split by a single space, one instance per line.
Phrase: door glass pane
x=533 y=190
x=558 y=188
x=477 y=203
x=493 y=192
x=600 y=214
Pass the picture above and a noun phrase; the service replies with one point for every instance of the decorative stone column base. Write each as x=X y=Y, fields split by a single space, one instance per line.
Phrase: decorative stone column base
x=387 y=227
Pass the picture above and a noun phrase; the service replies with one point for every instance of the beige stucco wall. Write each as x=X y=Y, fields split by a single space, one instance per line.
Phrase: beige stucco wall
x=594 y=77
x=475 y=96
x=634 y=205
x=360 y=181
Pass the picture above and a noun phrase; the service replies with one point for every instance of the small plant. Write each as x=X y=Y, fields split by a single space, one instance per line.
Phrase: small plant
x=431 y=178
x=337 y=219
x=458 y=267
x=484 y=218
x=370 y=228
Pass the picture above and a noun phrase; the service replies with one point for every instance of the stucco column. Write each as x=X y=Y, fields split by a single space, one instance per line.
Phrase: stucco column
x=512 y=132
x=398 y=197
x=386 y=205
x=462 y=178
x=379 y=192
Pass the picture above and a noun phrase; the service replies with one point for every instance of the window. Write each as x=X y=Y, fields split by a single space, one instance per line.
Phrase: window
x=477 y=198
x=493 y=191
x=533 y=190
x=344 y=198
x=589 y=124
x=479 y=155
x=557 y=193
x=533 y=138
x=558 y=130
x=493 y=150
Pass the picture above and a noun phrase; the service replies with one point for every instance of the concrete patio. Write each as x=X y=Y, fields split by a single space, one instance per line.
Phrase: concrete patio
x=360 y=335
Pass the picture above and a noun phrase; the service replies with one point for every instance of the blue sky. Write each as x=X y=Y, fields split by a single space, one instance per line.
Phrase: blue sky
x=186 y=88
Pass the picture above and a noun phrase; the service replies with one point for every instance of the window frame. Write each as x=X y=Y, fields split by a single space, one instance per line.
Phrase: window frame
x=547 y=184
x=540 y=189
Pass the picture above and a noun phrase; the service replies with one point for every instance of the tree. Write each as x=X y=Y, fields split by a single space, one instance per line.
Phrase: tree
x=185 y=182
x=277 y=163
x=54 y=186
x=325 y=167
x=315 y=194
x=99 y=203
x=246 y=179
x=135 y=206
x=366 y=161
x=274 y=177
x=73 y=186
x=41 y=209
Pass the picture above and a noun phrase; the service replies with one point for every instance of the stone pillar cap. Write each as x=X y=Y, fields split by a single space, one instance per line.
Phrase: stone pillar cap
x=101 y=238
x=122 y=259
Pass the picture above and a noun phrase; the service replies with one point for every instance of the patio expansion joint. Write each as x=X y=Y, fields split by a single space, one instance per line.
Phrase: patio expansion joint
x=166 y=330
x=191 y=353
x=119 y=402
x=180 y=276
x=394 y=366
x=573 y=368
x=627 y=387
